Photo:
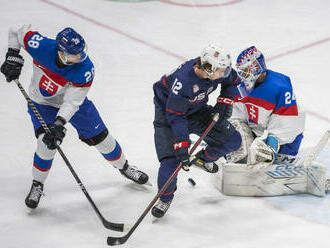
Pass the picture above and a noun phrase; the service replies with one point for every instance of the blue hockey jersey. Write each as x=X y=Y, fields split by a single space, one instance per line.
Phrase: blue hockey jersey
x=61 y=87
x=182 y=93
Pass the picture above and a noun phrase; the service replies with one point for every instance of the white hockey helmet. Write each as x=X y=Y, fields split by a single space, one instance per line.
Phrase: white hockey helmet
x=217 y=57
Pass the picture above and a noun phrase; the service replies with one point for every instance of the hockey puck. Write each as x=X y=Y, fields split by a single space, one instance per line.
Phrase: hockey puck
x=191 y=181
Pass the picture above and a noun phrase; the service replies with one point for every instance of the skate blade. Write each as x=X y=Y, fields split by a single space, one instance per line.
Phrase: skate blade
x=148 y=184
x=155 y=220
x=201 y=168
x=30 y=211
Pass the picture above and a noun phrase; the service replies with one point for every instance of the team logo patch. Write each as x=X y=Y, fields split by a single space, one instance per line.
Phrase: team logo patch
x=253 y=112
x=195 y=88
x=47 y=87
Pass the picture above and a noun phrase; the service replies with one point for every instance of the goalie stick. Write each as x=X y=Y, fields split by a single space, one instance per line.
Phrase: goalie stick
x=307 y=160
x=119 y=227
x=121 y=240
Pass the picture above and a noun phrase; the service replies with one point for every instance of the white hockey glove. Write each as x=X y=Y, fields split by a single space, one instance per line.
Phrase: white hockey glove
x=263 y=149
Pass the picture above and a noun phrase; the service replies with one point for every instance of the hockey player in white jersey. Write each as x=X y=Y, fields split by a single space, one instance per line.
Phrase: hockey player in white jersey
x=271 y=124
x=265 y=101
x=62 y=77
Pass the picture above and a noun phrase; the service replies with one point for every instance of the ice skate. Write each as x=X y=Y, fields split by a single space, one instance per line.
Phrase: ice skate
x=33 y=198
x=160 y=208
x=132 y=173
x=199 y=162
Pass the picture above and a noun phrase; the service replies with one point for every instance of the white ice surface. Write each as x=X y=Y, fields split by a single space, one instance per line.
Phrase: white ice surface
x=132 y=45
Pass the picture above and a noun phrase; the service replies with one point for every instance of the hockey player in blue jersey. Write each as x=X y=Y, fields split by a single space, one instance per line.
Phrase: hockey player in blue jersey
x=181 y=108
x=62 y=77
x=266 y=108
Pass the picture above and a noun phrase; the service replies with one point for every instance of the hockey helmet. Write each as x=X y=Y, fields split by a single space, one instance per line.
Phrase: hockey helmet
x=216 y=56
x=72 y=45
x=250 y=65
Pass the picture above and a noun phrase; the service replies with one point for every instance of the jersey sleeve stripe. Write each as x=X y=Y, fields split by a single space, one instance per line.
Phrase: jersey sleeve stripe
x=82 y=85
x=27 y=37
x=290 y=110
x=174 y=112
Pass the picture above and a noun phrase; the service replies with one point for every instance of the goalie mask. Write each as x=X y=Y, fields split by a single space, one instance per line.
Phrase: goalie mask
x=71 y=46
x=214 y=57
x=250 y=65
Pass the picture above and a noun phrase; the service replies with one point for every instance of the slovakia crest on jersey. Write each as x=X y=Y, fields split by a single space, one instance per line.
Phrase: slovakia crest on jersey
x=47 y=87
x=253 y=112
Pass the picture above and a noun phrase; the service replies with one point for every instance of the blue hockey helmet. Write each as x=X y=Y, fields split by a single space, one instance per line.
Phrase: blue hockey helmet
x=250 y=65
x=71 y=44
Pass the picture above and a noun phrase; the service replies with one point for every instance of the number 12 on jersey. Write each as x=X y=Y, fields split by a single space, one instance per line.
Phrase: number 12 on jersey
x=176 y=86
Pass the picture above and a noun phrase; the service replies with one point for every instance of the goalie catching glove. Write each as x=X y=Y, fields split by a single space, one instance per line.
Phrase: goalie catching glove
x=263 y=149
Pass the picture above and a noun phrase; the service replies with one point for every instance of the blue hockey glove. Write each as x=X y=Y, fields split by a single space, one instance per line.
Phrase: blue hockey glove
x=56 y=135
x=181 y=149
x=13 y=64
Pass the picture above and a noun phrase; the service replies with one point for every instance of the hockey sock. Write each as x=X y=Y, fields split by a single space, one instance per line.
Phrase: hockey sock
x=111 y=151
x=167 y=167
x=42 y=161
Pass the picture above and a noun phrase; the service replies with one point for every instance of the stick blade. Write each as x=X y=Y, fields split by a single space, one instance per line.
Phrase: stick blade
x=118 y=227
x=112 y=241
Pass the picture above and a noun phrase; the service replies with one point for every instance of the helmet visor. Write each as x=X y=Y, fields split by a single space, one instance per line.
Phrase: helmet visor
x=70 y=59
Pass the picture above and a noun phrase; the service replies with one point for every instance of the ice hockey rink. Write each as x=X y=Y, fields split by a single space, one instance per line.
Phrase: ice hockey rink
x=132 y=43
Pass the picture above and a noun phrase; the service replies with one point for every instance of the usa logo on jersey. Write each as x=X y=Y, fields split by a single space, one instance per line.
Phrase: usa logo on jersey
x=47 y=87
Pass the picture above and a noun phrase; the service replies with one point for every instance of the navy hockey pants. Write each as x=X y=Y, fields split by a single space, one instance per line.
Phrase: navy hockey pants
x=222 y=139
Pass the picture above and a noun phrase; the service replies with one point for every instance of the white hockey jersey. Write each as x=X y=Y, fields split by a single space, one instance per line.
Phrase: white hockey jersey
x=272 y=106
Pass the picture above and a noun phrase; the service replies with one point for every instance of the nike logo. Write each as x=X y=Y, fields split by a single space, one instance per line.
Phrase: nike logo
x=96 y=127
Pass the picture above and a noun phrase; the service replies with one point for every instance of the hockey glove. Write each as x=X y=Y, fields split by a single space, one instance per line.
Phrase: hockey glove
x=263 y=149
x=13 y=64
x=182 y=152
x=224 y=107
x=56 y=135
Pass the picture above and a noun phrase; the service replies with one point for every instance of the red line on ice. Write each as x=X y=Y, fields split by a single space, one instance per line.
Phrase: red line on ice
x=118 y=31
x=167 y=52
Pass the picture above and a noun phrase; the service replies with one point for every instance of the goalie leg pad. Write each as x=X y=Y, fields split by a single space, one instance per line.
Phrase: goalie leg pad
x=272 y=180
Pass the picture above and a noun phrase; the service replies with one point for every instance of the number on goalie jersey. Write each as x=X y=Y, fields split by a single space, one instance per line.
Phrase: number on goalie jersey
x=62 y=77
x=266 y=102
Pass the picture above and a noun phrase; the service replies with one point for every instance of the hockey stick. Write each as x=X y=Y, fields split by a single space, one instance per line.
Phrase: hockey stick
x=307 y=160
x=121 y=240
x=107 y=224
